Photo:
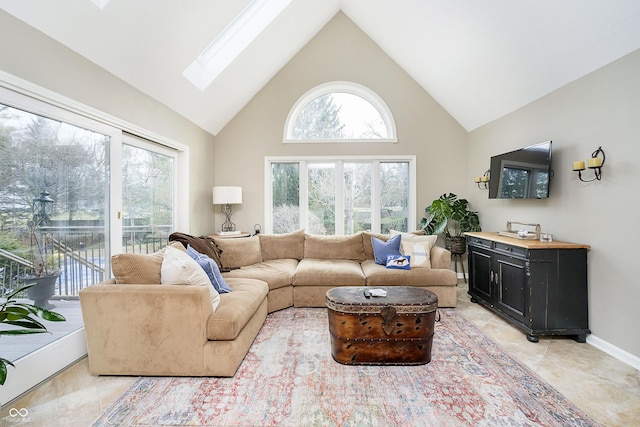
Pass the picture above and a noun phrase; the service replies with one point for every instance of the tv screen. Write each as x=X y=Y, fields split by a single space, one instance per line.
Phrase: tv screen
x=521 y=174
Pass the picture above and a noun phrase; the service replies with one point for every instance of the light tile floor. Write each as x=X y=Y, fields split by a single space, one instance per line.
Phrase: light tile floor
x=604 y=388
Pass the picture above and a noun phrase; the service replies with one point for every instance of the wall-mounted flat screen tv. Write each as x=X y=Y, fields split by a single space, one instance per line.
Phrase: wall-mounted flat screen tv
x=521 y=174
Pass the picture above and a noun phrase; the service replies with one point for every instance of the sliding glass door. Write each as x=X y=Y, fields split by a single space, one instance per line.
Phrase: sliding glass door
x=67 y=164
x=148 y=183
x=73 y=191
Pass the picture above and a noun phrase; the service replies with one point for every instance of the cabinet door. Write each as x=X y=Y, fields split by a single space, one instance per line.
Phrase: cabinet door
x=480 y=274
x=511 y=287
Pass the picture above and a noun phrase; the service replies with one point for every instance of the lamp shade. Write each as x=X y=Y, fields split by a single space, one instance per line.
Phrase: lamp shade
x=227 y=195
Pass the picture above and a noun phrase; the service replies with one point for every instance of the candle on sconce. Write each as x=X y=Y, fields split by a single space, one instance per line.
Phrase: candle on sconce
x=477 y=179
x=595 y=162
x=579 y=166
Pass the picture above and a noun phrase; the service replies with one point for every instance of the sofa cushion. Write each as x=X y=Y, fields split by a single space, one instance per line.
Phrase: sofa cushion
x=419 y=248
x=368 y=246
x=328 y=272
x=211 y=268
x=281 y=246
x=334 y=247
x=379 y=275
x=440 y=257
x=381 y=248
x=179 y=269
x=139 y=269
x=236 y=308
x=277 y=273
x=238 y=252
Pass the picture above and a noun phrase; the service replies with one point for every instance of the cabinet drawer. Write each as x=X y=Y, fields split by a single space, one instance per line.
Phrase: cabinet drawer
x=515 y=250
x=483 y=243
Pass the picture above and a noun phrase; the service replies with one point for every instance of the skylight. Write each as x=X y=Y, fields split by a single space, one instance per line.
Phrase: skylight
x=232 y=41
x=100 y=3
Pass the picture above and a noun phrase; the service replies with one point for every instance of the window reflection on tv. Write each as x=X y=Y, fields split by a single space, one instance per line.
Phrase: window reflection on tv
x=521 y=174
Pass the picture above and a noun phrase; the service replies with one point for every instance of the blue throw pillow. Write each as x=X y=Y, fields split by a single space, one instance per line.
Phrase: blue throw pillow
x=381 y=248
x=211 y=268
x=402 y=262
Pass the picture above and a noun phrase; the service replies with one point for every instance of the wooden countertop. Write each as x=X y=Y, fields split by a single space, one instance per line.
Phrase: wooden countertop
x=528 y=244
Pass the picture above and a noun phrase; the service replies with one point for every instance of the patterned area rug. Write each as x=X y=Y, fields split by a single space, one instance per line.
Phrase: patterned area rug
x=289 y=378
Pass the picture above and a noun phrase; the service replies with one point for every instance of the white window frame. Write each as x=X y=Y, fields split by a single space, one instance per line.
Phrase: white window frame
x=341 y=87
x=303 y=161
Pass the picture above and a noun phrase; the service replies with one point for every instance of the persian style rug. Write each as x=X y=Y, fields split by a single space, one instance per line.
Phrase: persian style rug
x=289 y=378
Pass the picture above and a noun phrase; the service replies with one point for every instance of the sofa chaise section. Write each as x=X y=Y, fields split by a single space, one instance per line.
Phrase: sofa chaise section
x=171 y=330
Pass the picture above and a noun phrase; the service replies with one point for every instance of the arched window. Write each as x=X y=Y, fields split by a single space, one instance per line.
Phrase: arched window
x=340 y=112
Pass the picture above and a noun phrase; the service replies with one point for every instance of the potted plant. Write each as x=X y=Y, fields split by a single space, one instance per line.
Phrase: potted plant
x=20 y=318
x=450 y=216
x=41 y=275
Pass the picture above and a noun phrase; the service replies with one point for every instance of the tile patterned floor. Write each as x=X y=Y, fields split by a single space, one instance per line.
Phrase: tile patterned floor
x=606 y=389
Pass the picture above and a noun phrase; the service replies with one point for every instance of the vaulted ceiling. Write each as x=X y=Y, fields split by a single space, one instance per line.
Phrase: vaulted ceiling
x=480 y=59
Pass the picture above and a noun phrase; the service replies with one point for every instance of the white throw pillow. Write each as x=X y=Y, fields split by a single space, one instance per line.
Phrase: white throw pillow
x=418 y=247
x=419 y=253
x=178 y=268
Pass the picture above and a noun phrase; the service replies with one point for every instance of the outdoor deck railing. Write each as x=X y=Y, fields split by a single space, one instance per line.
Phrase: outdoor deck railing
x=79 y=253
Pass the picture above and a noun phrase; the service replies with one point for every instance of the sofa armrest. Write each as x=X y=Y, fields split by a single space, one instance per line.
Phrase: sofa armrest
x=440 y=257
x=142 y=327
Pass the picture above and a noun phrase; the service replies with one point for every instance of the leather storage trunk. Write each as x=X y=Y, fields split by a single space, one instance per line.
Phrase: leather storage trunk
x=393 y=330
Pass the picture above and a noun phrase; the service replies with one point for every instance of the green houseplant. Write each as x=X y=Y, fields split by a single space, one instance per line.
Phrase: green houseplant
x=450 y=216
x=17 y=318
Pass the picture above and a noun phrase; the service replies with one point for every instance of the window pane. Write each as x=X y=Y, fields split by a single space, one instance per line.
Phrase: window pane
x=320 y=119
x=360 y=180
x=322 y=189
x=394 y=196
x=38 y=154
x=147 y=199
x=339 y=116
x=286 y=198
x=357 y=197
x=361 y=119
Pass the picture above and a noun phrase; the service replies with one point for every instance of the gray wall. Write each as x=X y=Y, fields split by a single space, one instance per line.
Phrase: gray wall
x=33 y=56
x=600 y=109
x=343 y=52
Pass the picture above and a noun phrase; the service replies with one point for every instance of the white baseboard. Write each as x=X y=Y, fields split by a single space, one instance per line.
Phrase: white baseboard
x=612 y=350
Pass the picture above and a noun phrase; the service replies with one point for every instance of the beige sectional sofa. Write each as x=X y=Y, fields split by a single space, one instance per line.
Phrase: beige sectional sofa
x=137 y=326
x=300 y=268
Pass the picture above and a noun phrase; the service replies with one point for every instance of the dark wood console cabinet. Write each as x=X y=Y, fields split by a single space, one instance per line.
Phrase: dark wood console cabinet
x=540 y=287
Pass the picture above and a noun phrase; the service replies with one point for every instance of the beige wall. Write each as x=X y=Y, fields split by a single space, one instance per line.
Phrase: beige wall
x=35 y=57
x=339 y=52
x=600 y=109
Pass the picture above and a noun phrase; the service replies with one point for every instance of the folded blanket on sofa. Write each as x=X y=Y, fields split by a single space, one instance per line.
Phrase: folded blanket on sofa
x=203 y=244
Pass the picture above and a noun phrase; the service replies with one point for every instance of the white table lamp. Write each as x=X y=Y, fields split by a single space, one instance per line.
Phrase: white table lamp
x=227 y=196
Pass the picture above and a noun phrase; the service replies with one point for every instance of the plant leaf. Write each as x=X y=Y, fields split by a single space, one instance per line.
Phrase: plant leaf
x=12 y=295
x=27 y=322
x=3 y=369
x=43 y=313
x=23 y=331
x=16 y=313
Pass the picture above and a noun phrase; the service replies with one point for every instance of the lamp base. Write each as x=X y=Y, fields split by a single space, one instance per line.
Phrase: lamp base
x=227 y=226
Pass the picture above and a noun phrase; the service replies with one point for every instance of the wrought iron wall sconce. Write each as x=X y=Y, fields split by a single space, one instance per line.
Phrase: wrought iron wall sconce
x=596 y=162
x=483 y=181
